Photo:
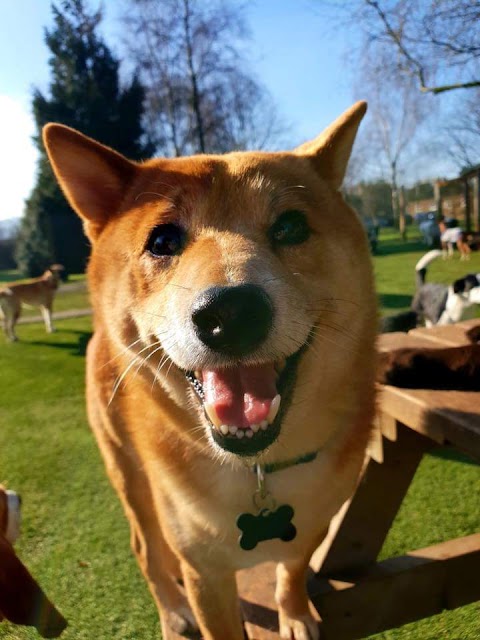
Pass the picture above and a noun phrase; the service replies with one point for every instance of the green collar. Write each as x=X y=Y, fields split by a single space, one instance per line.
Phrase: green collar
x=285 y=464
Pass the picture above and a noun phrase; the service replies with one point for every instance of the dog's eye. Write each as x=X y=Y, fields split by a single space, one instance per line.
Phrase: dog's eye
x=166 y=240
x=291 y=227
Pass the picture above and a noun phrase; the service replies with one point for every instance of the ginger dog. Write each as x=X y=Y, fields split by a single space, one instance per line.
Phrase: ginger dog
x=22 y=600
x=36 y=292
x=229 y=385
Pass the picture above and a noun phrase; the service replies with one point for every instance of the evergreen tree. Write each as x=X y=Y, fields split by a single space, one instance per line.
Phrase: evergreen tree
x=84 y=93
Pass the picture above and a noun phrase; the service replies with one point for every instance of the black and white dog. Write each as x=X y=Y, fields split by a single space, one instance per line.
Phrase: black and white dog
x=435 y=303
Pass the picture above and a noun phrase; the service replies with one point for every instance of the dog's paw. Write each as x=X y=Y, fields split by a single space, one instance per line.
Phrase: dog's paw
x=182 y=621
x=303 y=627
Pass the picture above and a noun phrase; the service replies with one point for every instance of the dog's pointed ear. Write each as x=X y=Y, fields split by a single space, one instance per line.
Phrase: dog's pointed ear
x=93 y=177
x=331 y=150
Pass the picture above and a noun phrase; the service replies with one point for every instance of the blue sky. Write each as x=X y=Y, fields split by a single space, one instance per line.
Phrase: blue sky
x=290 y=53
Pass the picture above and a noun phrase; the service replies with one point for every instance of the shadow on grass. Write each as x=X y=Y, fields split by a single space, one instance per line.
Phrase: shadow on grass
x=391 y=247
x=447 y=453
x=77 y=347
x=395 y=300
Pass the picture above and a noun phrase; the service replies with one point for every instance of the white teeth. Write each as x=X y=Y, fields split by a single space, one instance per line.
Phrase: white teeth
x=212 y=414
x=233 y=429
x=240 y=434
x=272 y=414
x=263 y=425
x=224 y=429
x=249 y=433
x=254 y=427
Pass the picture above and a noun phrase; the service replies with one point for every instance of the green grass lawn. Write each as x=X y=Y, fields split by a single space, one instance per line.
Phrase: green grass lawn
x=75 y=539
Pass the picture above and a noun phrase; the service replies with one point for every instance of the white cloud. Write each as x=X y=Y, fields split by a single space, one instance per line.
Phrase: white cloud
x=18 y=156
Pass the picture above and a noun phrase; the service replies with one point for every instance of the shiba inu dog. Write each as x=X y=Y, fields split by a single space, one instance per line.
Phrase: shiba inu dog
x=36 y=292
x=229 y=385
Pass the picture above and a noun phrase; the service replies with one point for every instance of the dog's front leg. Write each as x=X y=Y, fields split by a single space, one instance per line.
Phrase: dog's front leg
x=47 y=318
x=212 y=594
x=294 y=617
x=11 y=313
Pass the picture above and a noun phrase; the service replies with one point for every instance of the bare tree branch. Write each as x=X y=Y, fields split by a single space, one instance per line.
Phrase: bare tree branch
x=436 y=42
x=396 y=39
x=450 y=87
x=200 y=95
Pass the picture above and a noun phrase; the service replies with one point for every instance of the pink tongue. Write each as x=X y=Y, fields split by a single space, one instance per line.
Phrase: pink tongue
x=242 y=395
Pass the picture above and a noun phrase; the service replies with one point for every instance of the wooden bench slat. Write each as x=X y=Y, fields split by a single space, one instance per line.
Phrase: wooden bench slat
x=392 y=341
x=399 y=590
x=447 y=417
x=452 y=335
x=256 y=587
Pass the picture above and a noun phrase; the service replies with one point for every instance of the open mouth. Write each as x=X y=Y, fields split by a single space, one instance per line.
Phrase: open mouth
x=244 y=404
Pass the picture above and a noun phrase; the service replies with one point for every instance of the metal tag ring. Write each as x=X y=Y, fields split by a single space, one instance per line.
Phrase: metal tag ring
x=264 y=501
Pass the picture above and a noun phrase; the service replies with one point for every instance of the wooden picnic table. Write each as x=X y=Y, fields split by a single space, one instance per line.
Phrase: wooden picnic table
x=355 y=595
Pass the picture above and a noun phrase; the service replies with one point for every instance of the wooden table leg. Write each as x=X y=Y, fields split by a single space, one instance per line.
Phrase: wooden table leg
x=357 y=534
x=394 y=592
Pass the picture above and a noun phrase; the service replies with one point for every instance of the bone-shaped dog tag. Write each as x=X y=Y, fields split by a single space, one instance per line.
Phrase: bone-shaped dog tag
x=266 y=525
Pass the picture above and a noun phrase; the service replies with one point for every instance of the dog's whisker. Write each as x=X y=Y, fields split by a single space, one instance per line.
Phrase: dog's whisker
x=154 y=193
x=282 y=194
x=168 y=370
x=339 y=329
x=119 y=380
x=155 y=315
x=178 y=286
x=144 y=361
x=336 y=311
x=337 y=344
x=352 y=302
x=132 y=344
x=322 y=324
x=273 y=279
x=160 y=366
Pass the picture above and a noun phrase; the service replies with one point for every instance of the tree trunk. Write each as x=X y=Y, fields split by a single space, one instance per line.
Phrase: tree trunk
x=193 y=79
x=402 y=215
x=398 y=205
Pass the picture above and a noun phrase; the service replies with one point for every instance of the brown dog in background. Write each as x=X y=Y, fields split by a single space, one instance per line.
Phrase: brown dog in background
x=36 y=292
x=222 y=346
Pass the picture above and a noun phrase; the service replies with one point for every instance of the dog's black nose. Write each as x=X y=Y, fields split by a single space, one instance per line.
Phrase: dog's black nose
x=233 y=320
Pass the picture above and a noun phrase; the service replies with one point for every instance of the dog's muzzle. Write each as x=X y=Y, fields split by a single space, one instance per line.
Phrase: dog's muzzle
x=233 y=320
